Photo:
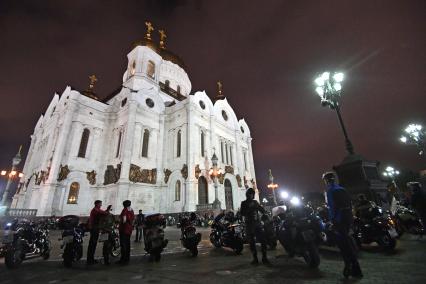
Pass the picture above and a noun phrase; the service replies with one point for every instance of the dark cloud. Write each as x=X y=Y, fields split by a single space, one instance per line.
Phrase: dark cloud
x=266 y=54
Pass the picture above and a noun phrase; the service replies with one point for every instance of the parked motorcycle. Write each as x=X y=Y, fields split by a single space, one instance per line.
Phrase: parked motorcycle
x=406 y=220
x=23 y=240
x=269 y=231
x=189 y=236
x=154 y=235
x=72 y=239
x=377 y=228
x=227 y=235
x=111 y=240
x=298 y=234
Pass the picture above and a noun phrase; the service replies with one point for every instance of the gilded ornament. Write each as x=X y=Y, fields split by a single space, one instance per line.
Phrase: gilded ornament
x=197 y=171
x=184 y=171
x=163 y=37
x=63 y=172
x=137 y=174
x=229 y=170
x=112 y=175
x=167 y=174
x=91 y=177
x=149 y=29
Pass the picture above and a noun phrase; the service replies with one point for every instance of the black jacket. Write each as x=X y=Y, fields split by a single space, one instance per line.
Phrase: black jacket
x=249 y=210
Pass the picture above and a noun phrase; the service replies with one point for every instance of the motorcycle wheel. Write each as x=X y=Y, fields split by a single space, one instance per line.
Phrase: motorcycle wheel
x=387 y=242
x=68 y=255
x=311 y=256
x=214 y=241
x=194 y=251
x=239 y=246
x=116 y=250
x=14 y=257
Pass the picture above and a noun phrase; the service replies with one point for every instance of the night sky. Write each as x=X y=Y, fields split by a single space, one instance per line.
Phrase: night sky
x=266 y=53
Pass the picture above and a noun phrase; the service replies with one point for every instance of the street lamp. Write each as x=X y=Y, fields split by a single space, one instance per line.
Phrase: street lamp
x=329 y=88
x=391 y=173
x=273 y=186
x=11 y=175
x=284 y=194
x=414 y=135
x=295 y=201
x=214 y=173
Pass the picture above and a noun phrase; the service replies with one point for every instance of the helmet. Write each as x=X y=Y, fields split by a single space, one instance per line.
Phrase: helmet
x=329 y=176
x=250 y=191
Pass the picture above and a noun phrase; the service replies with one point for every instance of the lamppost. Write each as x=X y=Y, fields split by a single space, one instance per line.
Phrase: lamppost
x=415 y=135
x=273 y=186
x=391 y=173
x=13 y=173
x=329 y=88
x=214 y=173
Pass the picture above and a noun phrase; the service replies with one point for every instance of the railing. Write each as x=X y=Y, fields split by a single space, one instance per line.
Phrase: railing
x=13 y=212
x=204 y=207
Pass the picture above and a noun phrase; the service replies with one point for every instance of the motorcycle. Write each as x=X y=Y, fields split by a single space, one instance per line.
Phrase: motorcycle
x=269 y=230
x=154 y=236
x=72 y=239
x=189 y=237
x=23 y=240
x=111 y=240
x=406 y=220
x=377 y=228
x=227 y=235
x=298 y=234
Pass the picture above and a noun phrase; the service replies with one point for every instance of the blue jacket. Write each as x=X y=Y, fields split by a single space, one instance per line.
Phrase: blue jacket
x=333 y=213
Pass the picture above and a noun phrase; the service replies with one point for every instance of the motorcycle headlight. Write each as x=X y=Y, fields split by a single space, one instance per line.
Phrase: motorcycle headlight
x=8 y=224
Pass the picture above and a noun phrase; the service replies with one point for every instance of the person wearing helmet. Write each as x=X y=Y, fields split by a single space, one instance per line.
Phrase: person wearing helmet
x=250 y=209
x=418 y=199
x=340 y=215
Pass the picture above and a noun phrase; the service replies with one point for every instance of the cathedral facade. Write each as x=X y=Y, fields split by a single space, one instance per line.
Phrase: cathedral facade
x=151 y=141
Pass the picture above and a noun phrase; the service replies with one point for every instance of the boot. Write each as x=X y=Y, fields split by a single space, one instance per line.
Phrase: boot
x=265 y=259
x=356 y=270
x=255 y=261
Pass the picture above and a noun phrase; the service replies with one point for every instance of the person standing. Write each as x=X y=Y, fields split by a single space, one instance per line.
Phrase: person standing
x=340 y=215
x=140 y=220
x=93 y=226
x=127 y=218
x=418 y=200
x=250 y=209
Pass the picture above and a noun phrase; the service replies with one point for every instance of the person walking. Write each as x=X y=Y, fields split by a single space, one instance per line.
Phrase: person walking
x=341 y=218
x=93 y=226
x=250 y=209
x=140 y=220
x=127 y=218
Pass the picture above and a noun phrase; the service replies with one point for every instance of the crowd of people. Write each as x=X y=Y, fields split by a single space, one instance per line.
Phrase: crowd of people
x=340 y=217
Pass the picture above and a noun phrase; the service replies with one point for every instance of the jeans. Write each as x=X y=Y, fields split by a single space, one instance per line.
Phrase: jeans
x=125 y=247
x=254 y=233
x=346 y=246
x=139 y=234
x=93 y=241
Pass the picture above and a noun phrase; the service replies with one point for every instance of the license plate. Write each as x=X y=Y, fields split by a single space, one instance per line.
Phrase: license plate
x=8 y=238
x=103 y=237
x=68 y=239
x=308 y=236
x=393 y=233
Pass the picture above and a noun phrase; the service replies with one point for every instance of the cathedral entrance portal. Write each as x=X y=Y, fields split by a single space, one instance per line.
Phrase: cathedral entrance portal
x=203 y=196
x=228 y=195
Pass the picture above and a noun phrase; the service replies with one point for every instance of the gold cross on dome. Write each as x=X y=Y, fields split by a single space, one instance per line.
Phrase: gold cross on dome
x=92 y=79
x=163 y=37
x=219 y=87
x=149 y=29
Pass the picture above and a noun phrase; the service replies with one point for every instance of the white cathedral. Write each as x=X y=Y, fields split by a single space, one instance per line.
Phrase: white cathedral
x=151 y=141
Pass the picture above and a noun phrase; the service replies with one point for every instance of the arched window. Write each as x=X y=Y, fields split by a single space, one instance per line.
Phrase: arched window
x=73 y=194
x=83 y=143
x=150 y=70
x=133 y=68
x=120 y=134
x=177 y=191
x=145 y=143
x=202 y=143
x=179 y=142
x=178 y=89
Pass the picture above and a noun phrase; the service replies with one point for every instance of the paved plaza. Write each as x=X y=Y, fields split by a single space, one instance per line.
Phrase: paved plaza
x=405 y=265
